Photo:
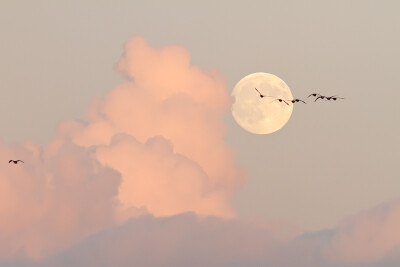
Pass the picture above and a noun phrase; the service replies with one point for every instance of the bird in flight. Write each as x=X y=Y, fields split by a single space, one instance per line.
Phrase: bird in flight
x=261 y=95
x=319 y=96
x=281 y=100
x=15 y=161
x=334 y=97
x=296 y=100
x=314 y=94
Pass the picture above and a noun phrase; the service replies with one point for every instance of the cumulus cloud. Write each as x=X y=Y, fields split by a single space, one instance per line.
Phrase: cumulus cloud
x=181 y=240
x=173 y=157
x=154 y=144
x=369 y=235
x=147 y=180
x=188 y=240
x=51 y=202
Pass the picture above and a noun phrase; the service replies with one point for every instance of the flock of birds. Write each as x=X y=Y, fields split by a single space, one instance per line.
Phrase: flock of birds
x=287 y=101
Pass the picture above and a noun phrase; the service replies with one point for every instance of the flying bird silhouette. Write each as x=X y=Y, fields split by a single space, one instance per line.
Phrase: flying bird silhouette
x=280 y=100
x=15 y=161
x=296 y=100
x=320 y=96
x=261 y=95
x=314 y=94
x=334 y=97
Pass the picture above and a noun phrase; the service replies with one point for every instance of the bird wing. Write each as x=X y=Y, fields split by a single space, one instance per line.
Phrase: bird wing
x=10 y=161
x=318 y=98
x=258 y=91
x=312 y=94
x=286 y=102
x=302 y=101
x=20 y=160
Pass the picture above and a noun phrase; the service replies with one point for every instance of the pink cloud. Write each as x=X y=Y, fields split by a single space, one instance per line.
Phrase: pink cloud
x=369 y=235
x=48 y=203
x=183 y=106
x=148 y=180
x=154 y=144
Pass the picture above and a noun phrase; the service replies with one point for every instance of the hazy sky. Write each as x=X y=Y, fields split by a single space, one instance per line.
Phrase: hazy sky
x=330 y=161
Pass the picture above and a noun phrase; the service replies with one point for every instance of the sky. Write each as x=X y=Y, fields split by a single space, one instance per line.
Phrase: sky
x=122 y=114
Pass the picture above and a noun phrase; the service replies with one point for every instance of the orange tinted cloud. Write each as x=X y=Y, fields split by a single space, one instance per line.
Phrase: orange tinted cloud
x=48 y=203
x=173 y=158
x=154 y=144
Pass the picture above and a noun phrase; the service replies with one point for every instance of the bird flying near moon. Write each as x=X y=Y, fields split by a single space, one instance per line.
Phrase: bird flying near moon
x=250 y=110
x=15 y=161
x=261 y=95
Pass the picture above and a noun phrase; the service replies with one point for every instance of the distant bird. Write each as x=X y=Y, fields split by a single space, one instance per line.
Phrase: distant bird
x=280 y=100
x=15 y=161
x=261 y=95
x=334 y=97
x=315 y=94
x=320 y=96
x=330 y=97
x=296 y=100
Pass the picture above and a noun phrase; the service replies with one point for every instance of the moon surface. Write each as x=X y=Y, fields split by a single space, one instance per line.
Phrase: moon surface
x=260 y=115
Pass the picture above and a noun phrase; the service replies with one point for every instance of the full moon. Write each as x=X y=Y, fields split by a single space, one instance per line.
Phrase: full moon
x=261 y=115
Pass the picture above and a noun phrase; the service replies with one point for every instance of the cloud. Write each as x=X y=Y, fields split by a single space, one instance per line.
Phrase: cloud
x=173 y=157
x=147 y=180
x=190 y=240
x=154 y=144
x=164 y=182
x=50 y=202
x=181 y=240
x=369 y=235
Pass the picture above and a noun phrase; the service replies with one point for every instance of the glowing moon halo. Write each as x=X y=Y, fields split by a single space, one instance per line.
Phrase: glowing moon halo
x=261 y=115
